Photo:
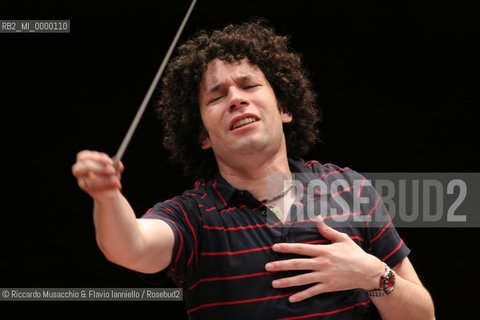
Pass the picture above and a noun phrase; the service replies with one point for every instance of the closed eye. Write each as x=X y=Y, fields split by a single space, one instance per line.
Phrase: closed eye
x=221 y=96
x=215 y=99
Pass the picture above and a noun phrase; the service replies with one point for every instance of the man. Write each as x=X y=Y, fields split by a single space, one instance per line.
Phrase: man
x=249 y=240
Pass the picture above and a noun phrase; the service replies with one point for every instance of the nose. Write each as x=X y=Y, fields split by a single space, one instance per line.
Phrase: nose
x=236 y=100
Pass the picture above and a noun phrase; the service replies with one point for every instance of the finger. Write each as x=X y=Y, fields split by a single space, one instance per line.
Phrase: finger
x=94 y=155
x=302 y=279
x=86 y=167
x=308 y=293
x=292 y=264
x=298 y=248
x=119 y=167
x=328 y=232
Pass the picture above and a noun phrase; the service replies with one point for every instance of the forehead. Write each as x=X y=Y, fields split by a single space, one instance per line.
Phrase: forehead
x=219 y=71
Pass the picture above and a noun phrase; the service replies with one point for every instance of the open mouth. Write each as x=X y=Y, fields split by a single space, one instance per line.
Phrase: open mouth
x=242 y=122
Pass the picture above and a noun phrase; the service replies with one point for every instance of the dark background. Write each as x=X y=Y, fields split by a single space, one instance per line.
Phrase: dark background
x=397 y=84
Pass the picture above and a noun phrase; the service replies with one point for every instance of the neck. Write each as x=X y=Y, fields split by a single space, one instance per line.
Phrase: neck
x=263 y=175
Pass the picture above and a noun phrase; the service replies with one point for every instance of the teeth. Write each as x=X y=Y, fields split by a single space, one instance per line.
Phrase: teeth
x=243 y=122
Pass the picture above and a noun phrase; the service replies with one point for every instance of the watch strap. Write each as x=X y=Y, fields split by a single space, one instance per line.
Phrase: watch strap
x=387 y=284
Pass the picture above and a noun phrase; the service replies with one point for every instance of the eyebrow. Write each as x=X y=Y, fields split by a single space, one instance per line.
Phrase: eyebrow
x=218 y=86
x=214 y=88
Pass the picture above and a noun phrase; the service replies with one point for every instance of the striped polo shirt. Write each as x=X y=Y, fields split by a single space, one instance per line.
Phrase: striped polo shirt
x=224 y=238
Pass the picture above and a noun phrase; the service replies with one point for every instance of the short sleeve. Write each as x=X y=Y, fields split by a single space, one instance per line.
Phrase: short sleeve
x=382 y=238
x=183 y=217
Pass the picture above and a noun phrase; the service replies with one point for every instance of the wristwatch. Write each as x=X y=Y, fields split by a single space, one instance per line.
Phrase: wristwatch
x=387 y=284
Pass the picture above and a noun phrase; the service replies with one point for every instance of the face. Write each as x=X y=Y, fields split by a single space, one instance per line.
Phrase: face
x=239 y=110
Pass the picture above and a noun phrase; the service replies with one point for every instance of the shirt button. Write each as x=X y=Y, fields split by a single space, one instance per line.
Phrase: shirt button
x=263 y=212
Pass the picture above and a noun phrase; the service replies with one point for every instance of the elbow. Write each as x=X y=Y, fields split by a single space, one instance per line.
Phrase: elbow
x=431 y=311
x=112 y=256
x=106 y=253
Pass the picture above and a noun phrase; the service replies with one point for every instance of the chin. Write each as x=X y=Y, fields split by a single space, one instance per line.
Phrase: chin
x=250 y=147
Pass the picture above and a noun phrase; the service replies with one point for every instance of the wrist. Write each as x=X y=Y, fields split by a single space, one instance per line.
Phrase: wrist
x=106 y=198
x=376 y=270
x=386 y=283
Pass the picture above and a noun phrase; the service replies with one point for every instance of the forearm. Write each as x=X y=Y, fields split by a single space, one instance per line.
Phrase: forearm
x=408 y=300
x=137 y=244
x=117 y=232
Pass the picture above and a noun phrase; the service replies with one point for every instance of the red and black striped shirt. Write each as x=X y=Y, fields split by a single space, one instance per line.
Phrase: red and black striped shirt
x=224 y=238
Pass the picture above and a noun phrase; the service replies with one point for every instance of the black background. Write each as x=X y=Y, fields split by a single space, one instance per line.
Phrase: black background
x=397 y=84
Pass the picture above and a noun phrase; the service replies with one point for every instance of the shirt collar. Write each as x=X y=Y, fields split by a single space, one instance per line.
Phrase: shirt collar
x=223 y=191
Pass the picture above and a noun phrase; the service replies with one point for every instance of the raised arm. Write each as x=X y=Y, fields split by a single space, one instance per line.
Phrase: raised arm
x=143 y=245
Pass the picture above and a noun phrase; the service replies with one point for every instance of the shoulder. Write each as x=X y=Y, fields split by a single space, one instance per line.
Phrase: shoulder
x=186 y=203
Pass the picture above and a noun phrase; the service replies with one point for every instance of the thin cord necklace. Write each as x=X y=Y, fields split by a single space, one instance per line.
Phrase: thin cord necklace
x=276 y=210
x=281 y=194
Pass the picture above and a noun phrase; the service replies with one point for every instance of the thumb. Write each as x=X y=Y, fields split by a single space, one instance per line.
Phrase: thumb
x=328 y=232
x=118 y=166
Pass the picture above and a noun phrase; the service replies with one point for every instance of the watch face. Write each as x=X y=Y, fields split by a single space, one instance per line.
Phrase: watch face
x=389 y=282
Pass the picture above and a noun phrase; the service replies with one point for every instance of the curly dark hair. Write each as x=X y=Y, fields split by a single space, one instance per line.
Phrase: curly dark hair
x=178 y=105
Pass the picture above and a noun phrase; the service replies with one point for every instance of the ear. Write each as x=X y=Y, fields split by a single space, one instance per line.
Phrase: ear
x=286 y=115
x=204 y=141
